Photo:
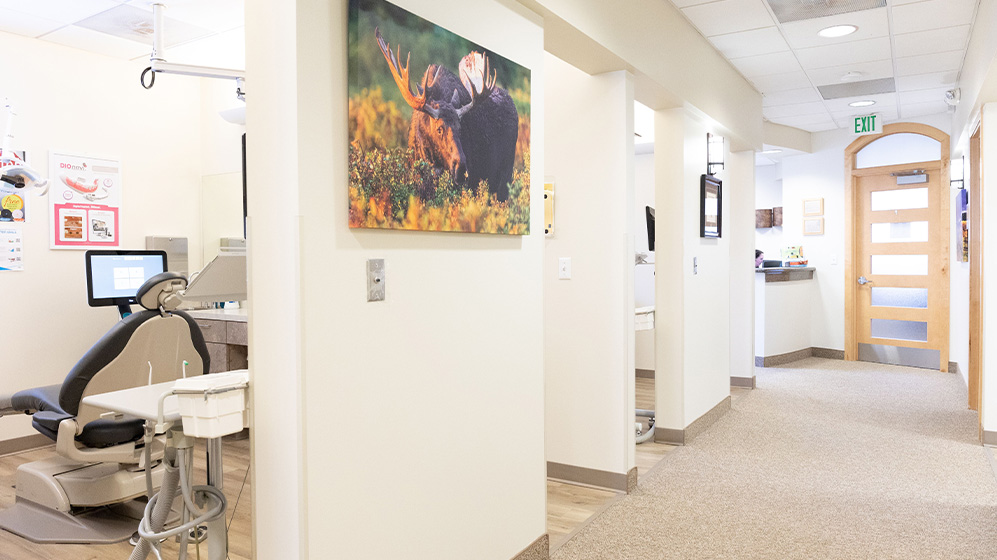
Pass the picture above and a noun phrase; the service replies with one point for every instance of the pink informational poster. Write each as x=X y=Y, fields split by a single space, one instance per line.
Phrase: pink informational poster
x=84 y=201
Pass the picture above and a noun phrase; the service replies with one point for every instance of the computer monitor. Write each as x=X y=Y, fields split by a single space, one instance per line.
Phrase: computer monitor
x=113 y=277
x=649 y=215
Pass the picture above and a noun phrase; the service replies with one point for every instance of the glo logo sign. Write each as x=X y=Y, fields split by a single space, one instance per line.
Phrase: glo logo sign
x=871 y=124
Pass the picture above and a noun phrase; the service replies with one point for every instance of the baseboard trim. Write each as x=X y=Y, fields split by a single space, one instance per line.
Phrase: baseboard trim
x=744 y=382
x=24 y=443
x=645 y=373
x=632 y=480
x=989 y=438
x=538 y=550
x=954 y=367
x=697 y=427
x=590 y=477
x=789 y=357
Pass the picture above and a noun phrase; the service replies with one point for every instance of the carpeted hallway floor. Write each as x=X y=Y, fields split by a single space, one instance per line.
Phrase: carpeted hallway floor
x=826 y=459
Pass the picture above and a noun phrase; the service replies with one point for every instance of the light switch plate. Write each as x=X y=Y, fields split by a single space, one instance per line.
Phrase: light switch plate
x=564 y=268
x=375 y=279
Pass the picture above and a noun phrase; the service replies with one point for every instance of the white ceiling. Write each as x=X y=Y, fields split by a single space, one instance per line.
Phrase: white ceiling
x=920 y=43
x=204 y=32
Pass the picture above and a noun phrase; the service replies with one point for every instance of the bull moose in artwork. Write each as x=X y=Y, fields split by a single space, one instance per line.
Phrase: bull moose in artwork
x=467 y=125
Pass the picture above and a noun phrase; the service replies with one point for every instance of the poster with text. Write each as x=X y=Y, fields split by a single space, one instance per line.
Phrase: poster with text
x=13 y=200
x=11 y=247
x=84 y=201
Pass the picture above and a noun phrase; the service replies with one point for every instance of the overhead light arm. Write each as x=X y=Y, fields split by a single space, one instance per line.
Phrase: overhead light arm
x=13 y=170
x=158 y=64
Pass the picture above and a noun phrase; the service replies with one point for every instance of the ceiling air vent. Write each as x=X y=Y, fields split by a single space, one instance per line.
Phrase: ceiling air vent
x=856 y=89
x=799 y=10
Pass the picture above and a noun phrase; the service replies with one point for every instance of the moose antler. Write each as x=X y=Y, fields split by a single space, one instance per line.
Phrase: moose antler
x=418 y=102
x=479 y=80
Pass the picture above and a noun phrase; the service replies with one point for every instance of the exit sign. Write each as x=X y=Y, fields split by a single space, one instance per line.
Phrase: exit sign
x=871 y=124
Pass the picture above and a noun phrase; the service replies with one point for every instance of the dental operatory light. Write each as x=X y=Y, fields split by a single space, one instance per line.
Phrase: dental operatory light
x=836 y=31
x=158 y=64
x=865 y=103
x=14 y=170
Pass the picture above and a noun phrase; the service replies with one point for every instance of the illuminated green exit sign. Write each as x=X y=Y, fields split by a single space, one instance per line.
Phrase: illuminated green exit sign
x=870 y=124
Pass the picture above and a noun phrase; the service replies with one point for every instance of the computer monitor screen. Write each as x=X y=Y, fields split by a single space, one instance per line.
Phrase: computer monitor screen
x=649 y=215
x=113 y=277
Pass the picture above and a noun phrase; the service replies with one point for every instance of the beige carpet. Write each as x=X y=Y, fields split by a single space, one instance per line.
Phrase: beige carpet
x=826 y=459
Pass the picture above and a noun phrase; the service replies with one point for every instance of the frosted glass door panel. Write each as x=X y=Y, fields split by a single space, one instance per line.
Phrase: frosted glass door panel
x=911 y=298
x=914 y=331
x=900 y=199
x=900 y=265
x=902 y=232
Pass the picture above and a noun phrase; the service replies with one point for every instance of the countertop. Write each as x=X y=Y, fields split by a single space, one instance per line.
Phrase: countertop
x=237 y=315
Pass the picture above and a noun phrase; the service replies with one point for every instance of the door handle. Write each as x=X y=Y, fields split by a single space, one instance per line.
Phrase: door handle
x=863 y=281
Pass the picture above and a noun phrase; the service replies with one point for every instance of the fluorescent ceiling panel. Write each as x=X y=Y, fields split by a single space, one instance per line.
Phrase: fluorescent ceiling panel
x=857 y=89
x=135 y=24
x=796 y=10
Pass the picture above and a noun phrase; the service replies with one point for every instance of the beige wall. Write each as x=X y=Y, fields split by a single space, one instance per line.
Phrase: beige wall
x=411 y=428
x=588 y=320
x=81 y=102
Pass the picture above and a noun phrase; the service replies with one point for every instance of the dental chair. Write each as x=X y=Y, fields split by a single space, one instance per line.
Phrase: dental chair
x=88 y=492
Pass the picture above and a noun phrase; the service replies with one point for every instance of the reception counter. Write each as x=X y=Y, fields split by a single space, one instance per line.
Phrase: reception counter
x=782 y=314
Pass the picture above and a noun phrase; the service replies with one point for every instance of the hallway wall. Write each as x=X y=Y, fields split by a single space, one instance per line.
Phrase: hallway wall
x=588 y=320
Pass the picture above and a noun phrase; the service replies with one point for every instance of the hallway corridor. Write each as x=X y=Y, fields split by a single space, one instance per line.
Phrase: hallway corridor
x=825 y=459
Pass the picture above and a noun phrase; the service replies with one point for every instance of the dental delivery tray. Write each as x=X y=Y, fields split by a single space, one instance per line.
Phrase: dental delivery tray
x=212 y=405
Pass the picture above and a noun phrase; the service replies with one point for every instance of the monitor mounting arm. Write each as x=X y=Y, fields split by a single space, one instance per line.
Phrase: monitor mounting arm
x=158 y=64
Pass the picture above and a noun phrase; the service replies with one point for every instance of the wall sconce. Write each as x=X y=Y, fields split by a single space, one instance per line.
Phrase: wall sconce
x=957 y=170
x=714 y=153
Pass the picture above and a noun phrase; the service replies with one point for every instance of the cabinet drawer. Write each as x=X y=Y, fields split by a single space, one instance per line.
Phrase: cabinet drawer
x=237 y=333
x=213 y=331
x=218 y=354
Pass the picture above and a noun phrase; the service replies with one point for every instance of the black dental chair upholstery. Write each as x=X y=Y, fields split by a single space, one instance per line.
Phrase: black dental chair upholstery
x=154 y=338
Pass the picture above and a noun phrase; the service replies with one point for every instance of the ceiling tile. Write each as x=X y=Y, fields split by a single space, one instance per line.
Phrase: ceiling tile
x=95 y=41
x=922 y=96
x=932 y=14
x=765 y=64
x=216 y=15
x=728 y=16
x=936 y=40
x=853 y=52
x=794 y=110
x=922 y=109
x=883 y=100
x=64 y=11
x=779 y=82
x=750 y=43
x=871 y=24
x=887 y=113
x=927 y=63
x=28 y=25
x=790 y=96
x=224 y=50
x=927 y=81
x=869 y=70
x=822 y=127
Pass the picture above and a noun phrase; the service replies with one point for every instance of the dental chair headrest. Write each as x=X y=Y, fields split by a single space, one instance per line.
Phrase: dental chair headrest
x=162 y=290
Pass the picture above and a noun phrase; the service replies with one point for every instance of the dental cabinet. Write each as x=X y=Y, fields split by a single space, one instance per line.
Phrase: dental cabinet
x=227 y=337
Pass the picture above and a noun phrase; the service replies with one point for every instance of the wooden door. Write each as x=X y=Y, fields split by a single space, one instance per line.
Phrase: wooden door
x=901 y=265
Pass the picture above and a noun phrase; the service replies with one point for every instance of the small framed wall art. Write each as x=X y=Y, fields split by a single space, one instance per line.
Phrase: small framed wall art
x=710 y=206
x=813 y=226
x=813 y=207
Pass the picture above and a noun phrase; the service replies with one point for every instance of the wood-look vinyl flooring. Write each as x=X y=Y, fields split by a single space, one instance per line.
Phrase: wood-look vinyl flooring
x=235 y=463
x=570 y=506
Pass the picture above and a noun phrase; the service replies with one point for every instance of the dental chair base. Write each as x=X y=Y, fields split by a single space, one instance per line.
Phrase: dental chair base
x=62 y=501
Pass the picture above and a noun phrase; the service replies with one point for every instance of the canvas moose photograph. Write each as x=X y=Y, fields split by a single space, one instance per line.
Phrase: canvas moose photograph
x=439 y=128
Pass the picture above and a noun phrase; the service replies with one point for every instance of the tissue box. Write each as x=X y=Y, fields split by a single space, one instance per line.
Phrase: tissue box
x=211 y=405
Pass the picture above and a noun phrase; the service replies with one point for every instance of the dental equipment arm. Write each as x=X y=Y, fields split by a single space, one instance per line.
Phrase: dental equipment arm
x=14 y=170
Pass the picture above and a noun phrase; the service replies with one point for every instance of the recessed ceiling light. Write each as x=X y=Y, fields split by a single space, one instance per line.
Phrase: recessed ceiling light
x=837 y=31
x=867 y=103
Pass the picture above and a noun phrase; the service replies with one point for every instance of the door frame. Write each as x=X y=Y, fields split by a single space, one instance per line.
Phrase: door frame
x=852 y=241
x=974 y=375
